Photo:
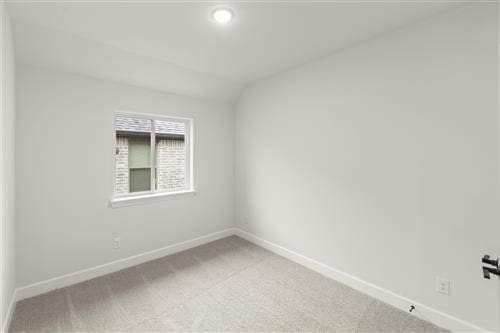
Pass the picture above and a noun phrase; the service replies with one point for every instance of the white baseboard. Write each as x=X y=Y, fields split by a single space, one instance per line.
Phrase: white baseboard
x=92 y=272
x=425 y=312
x=10 y=312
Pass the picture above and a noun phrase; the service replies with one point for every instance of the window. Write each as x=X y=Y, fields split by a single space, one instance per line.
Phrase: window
x=152 y=157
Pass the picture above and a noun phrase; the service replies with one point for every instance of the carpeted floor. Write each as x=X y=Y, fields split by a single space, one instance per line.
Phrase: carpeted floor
x=227 y=285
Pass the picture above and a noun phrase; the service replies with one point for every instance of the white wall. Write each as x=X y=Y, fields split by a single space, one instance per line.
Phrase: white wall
x=65 y=151
x=7 y=122
x=381 y=160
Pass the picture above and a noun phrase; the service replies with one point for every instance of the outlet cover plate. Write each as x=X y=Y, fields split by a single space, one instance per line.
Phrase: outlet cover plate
x=443 y=286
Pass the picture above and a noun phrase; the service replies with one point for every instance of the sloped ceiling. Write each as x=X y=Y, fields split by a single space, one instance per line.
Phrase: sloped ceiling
x=175 y=46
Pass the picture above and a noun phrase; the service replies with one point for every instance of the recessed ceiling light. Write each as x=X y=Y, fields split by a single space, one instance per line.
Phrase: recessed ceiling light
x=222 y=15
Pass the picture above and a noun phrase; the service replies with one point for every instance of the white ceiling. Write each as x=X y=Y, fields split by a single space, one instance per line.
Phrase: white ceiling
x=265 y=37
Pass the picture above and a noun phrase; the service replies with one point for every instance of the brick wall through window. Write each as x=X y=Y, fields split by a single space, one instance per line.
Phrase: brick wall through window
x=170 y=163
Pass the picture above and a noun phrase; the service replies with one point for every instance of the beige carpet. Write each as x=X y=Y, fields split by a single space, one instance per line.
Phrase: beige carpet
x=228 y=285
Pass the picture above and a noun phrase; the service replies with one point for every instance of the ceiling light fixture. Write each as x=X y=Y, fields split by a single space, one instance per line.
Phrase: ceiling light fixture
x=222 y=15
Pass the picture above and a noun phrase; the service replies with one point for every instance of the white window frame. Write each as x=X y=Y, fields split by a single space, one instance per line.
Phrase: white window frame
x=128 y=199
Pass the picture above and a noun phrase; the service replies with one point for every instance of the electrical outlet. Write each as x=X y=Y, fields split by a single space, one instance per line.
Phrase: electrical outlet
x=116 y=243
x=443 y=286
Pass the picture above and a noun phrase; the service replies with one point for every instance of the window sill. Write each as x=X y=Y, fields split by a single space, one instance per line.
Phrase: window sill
x=149 y=198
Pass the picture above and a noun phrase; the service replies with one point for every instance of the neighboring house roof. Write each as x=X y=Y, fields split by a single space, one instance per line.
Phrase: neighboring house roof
x=135 y=125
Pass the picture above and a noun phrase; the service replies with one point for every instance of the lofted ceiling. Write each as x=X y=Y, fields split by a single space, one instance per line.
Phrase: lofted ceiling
x=175 y=46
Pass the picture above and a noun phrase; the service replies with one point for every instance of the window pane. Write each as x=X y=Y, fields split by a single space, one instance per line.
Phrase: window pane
x=133 y=155
x=139 y=163
x=139 y=153
x=170 y=155
x=140 y=180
